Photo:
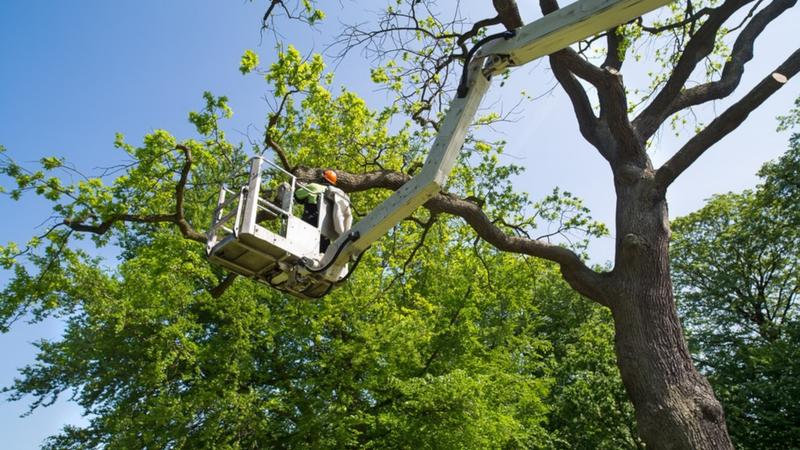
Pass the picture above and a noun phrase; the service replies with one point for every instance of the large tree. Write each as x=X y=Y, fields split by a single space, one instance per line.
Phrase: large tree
x=675 y=406
x=437 y=341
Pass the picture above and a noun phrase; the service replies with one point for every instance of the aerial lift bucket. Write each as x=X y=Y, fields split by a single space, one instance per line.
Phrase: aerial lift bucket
x=256 y=233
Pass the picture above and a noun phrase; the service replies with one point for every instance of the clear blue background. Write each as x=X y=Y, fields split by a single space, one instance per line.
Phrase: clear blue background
x=74 y=73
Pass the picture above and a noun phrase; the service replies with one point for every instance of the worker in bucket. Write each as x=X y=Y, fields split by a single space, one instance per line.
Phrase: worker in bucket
x=337 y=216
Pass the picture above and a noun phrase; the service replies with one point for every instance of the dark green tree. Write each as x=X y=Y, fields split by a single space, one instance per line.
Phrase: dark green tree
x=737 y=272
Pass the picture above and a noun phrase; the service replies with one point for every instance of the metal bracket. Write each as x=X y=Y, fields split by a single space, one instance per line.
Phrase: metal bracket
x=496 y=64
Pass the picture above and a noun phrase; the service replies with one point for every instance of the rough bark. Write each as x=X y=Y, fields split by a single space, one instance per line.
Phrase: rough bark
x=675 y=405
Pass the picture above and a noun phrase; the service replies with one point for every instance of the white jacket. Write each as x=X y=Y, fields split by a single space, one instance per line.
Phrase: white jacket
x=341 y=216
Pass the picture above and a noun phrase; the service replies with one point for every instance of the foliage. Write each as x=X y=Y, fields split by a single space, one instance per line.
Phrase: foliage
x=589 y=407
x=446 y=358
x=737 y=272
x=149 y=354
x=249 y=62
x=437 y=341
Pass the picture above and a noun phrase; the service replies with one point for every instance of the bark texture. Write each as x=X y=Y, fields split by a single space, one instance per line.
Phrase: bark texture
x=675 y=405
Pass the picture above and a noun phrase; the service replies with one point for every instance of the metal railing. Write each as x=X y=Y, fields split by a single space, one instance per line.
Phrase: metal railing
x=238 y=209
x=222 y=218
x=258 y=170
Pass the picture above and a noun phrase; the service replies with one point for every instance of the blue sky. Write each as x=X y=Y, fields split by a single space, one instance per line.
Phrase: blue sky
x=75 y=73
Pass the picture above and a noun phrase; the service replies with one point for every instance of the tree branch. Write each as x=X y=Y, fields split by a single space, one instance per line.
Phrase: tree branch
x=508 y=13
x=268 y=14
x=218 y=290
x=613 y=106
x=700 y=46
x=581 y=67
x=587 y=121
x=727 y=121
x=741 y=53
x=176 y=218
x=179 y=217
x=269 y=141
x=575 y=272
x=611 y=93
x=476 y=27
x=613 y=41
x=690 y=18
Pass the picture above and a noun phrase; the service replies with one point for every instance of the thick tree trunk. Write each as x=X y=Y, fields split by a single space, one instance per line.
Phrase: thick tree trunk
x=675 y=405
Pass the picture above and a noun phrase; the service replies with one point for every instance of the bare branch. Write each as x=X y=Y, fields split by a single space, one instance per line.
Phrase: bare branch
x=612 y=96
x=477 y=27
x=727 y=121
x=268 y=14
x=614 y=113
x=613 y=105
x=508 y=13
x=587 y=121
x=690 y=18
x=432 y=44
x=278 y=149
x=733 y=70
x=180 y=188
x=699 y=47
x=270 y=142
x=571 y=60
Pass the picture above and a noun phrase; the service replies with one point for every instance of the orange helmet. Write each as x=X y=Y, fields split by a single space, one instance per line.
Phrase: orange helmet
x=330 y=176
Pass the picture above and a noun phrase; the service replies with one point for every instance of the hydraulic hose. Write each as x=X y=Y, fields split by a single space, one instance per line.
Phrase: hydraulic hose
x=351 y=237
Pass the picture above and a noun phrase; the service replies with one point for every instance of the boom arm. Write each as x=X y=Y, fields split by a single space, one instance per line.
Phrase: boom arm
x=546 y=35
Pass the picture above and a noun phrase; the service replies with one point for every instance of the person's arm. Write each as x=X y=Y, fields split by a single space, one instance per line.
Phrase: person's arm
x=309 y=193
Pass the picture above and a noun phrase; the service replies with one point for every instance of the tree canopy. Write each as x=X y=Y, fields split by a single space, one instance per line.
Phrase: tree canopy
x=438 y=340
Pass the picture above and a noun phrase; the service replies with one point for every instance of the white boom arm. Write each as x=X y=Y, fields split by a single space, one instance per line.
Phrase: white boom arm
x=544 y=36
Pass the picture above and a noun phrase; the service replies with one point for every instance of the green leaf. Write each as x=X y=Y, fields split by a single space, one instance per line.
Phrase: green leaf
x=249 y=62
